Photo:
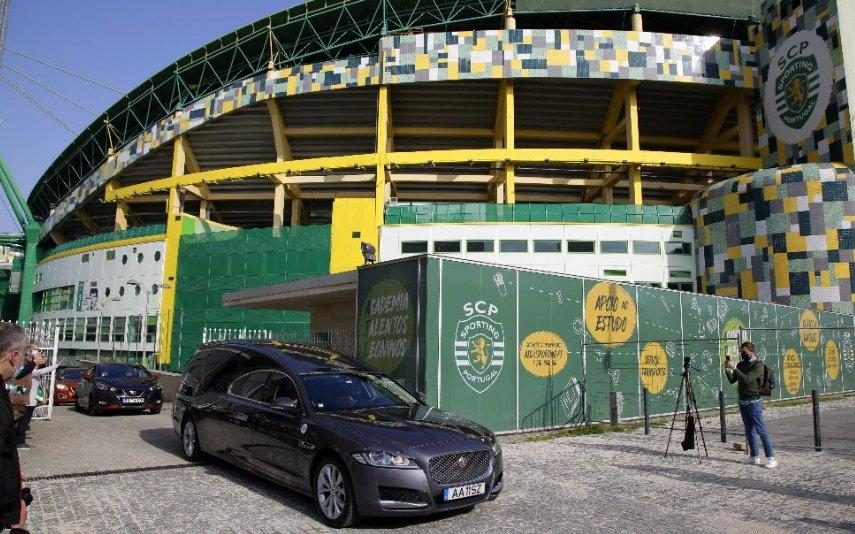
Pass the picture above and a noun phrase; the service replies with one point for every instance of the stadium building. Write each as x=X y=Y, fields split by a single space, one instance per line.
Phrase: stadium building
x=696 y=146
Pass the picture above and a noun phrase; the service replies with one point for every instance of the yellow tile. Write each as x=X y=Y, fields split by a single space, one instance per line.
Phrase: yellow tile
x=761 y=241
x=734 y=252
x=825 y=278
x=782 y=270
x=841 y=270
x=557 y=57
x=422 y=62
x=790 y=205
x=831 y=240
x=732 y=205
x=795 y=242
x=727 y=292
x=770 y=192
x=749 y=288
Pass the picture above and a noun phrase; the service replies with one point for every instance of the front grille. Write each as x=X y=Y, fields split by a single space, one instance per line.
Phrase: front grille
x=459 y=467
x=402 y=495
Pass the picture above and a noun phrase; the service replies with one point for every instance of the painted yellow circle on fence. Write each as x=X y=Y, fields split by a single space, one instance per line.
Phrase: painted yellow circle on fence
x=610 y=313
x=653 y=367
x=809 y=330
x=543 y=353
x=792 y=371
x=832 y=360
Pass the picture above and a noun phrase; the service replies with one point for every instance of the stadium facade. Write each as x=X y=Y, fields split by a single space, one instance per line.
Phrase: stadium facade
x=699 y=148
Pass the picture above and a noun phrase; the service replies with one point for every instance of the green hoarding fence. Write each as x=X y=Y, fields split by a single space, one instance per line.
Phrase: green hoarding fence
x=517 y=350
x=214 y=263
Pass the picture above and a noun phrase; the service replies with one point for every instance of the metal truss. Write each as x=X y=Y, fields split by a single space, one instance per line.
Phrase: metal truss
x=316 y=31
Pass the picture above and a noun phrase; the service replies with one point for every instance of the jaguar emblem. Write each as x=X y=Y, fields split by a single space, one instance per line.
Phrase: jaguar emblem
x=462 y=462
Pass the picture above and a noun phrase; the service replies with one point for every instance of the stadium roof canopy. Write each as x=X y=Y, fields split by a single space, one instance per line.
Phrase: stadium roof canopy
x=321 y=30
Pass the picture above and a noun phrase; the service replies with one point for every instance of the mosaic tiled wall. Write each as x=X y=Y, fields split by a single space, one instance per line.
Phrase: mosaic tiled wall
x=780 y=235
x=830 y=140
x=567 y=54
x=450 y=56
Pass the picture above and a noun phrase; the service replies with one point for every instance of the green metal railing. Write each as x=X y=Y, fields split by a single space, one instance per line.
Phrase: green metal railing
x=130 y=233
x=474 y=212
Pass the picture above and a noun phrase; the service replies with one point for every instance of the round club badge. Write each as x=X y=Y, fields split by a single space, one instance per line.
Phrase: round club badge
x=801 y=76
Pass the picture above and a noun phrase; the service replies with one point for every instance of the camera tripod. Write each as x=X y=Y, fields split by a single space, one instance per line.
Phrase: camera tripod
x=692 y=417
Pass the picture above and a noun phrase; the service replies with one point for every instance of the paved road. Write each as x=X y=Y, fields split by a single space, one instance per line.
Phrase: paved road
x=581 y=484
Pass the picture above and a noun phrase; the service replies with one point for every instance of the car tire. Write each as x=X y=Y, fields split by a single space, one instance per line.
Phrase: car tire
x=90 y=407
x=333 y=494
x=76 y=404
x=154 y=411
x=190 y=440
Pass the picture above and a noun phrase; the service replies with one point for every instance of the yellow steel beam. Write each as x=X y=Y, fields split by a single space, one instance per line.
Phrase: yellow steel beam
x=722 y=109
x=122 y=210
x=510 y=118
x=87 y=221
x=607 y=183
x=278 y=205
x=280 y=137
x=430 y=157
x=190 y=161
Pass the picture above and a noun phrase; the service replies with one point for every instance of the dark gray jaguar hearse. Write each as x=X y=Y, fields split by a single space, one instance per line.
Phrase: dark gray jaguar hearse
x=326 y=425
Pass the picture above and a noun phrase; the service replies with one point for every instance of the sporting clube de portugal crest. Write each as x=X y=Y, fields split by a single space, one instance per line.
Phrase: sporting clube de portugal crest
x=798 y=87
x=479 y=346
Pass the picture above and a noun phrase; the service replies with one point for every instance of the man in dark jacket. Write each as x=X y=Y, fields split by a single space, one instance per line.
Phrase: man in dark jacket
x=747 y=376
x=13 y=512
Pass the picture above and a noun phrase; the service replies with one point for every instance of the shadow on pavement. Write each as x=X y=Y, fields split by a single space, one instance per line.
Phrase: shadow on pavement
x=304 y=504
x=734 y=482
x=164 y=439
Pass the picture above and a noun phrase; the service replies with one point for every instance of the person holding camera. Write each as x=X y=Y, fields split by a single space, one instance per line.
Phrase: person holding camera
x=747 y=375
x=13 y=507
x=31 y=397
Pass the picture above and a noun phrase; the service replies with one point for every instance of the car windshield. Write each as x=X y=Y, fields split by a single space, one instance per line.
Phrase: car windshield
x=72 y=374
x=331 y=392
x=120 y=371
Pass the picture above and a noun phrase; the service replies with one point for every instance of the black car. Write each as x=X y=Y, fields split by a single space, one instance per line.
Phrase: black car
x=330 y=427
x=111 y=387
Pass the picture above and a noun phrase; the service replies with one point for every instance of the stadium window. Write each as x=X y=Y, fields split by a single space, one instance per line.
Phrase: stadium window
x=124 y=259
x=680 y=274
x=481 y=245
x=414 y=247
x=678 y=234
x=111 y=255
x=676 y=248
x=645 y=247
x=107 y=292
x=614 y=247
x=91 y=328
x=139 y=257
x=105 y=329
x=79 y=329
x=157 y=256
x=547 y=245
x=121 y=291
x=580 y=247
x=118 y=329
x=84 y=258
x=137 y=290
x=614 y=272
x=68 y=330
x=154 y=289
x=446 y=247
x=513 y=245
x=681 y=286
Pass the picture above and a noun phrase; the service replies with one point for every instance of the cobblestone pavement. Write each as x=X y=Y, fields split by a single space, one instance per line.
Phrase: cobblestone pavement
x=604 y=483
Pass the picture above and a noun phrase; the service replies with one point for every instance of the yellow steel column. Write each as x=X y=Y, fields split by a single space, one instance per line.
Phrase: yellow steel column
x=510 y=168
x=633 y=142
x=746 y=127
x=381 y=189
x=121 y=217
x=170 y=259
x=278 y=205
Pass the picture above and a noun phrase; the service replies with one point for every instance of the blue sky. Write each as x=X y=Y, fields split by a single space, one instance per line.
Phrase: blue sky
x=118 y=42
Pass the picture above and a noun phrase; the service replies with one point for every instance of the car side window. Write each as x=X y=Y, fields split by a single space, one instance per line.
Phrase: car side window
x=251 y=385
x=280 y=385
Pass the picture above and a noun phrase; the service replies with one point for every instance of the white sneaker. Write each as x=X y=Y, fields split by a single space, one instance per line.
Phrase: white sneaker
x=771 y=462
x=751 y=460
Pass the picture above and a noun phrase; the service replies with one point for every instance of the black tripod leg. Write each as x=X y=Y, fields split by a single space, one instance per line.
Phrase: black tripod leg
x=694 y=404
x=674 y=418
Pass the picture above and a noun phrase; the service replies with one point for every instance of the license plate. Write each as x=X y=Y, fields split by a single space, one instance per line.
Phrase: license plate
x=133 y=401
x=461 y=492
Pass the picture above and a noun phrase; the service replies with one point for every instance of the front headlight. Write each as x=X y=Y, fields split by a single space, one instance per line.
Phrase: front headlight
x=104 y=387
x=497 y=449
x=385 y=459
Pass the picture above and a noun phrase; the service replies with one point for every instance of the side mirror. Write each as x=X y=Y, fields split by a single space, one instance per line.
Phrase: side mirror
x=286 y=404
x=153 y=377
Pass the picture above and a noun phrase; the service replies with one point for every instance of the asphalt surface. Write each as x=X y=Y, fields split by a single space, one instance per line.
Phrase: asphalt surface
x=602 y=483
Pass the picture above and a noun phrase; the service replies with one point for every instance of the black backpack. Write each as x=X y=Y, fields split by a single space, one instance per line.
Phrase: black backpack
x=767 y=382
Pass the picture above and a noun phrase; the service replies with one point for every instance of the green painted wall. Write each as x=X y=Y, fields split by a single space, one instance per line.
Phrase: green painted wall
x=211 y=264
x=516 y=349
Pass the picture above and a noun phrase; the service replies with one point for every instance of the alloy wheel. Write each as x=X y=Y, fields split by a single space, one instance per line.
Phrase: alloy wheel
x=189 y=439
x=331 y=491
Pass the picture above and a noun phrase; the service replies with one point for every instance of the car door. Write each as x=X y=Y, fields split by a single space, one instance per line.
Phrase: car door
x=278 y=447
x=210 y=400
x=85 y=387
x=239 y=407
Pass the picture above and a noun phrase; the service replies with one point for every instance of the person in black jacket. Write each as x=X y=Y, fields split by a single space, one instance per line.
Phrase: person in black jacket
x=747 y=375
x=13 y=511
